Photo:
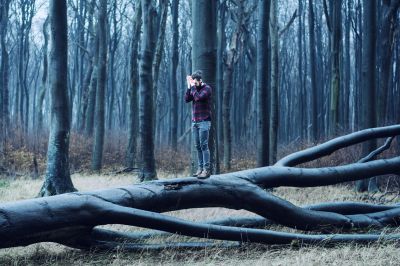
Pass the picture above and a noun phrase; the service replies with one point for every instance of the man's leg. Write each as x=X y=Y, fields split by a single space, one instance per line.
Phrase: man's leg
x=204 y=129
x=196 y=139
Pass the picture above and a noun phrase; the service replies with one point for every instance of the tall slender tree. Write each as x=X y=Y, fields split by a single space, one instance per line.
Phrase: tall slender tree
x=368 y=118
x=174 y=59
x=146 y=110
x=389 y=11
x=262 y=84
x=4 y=70
x=131 y=152
x=99 y=122
x=313 y=69
x=273 y=128
x=58 y=179
x=43 y=85
x=335 y=65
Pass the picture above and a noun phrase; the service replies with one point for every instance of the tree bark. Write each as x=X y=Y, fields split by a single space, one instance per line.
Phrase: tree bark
x=262 y=84
x=43 y=85
x=146 y=110
x=368 y=84
x=58 y=179
x=230 y=59
x=131 y=152
x=174 y=59
x=313 y=72
x=99 y=125
x=336 y=36
x=91 y=101
x=4 y=71
x=159 y=33
x=390 y=8
x=274 y=83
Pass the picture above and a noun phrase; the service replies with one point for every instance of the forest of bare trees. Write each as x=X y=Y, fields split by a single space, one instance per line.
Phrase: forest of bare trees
x=282 y=73
x=303 y=71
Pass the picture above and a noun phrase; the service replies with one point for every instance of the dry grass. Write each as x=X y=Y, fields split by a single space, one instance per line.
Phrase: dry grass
x=51 y=254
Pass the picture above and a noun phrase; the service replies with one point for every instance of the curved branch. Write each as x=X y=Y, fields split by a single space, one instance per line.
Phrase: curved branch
x=346 y=208
x=333 y=145
x=157 y=221
x=376 y=152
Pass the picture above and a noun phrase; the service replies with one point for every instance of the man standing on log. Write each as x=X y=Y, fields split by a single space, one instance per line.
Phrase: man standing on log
x=199 y=93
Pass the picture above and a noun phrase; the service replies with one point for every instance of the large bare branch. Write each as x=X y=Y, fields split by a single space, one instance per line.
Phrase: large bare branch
x=333 y=145
x=70 y=219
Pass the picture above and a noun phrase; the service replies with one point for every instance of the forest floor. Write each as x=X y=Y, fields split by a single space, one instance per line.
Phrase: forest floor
x=54 y=254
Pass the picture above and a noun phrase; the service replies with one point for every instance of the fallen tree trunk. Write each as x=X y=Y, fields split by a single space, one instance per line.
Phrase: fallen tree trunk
x=71 y=218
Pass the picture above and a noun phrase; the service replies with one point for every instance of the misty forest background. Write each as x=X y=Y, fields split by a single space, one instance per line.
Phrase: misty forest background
x=318 y=69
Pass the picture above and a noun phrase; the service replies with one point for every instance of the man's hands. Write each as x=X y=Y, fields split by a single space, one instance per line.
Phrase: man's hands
x=190 y=81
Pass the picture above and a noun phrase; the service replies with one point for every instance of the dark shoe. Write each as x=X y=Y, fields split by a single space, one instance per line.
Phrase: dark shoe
x=198 y=173
x=205 y=174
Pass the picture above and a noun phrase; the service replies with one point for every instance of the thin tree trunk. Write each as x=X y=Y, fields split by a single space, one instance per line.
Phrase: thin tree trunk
x=368 y=84
x=91 y=102
x=43 y=85
x=174 y=59
x=146 y=105
x=4 y=72
x=390 y=8
x=58 y=179
x=99 y=125
x=160 y=30
x=274 y=82
x=262 y=83
x=313 y=73
x=335 y=66
x=131 y=152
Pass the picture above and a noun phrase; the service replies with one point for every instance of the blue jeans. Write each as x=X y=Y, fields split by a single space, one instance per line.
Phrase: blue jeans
x=200 y=131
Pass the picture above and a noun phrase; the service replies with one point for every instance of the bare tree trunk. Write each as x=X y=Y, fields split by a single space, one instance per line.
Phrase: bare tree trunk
x=230 y=59
x=4 y=72
x=221 y=44
x=146 y=110
x=390 y=8
x=160 y=30
x=92 y=55
x=262 y=83
x=114 y=40
x=313 y=72
x=346 y=113
x=274 y=82
x=91 y=102
x=368 y=84
x=99 y=125
x=302 y=119
x=131 y=152
x=43 y=85
x=336 y=36
x=174 y=59
x=57 y=179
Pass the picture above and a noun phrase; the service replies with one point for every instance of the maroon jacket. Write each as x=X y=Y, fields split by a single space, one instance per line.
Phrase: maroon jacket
x=201 y=97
